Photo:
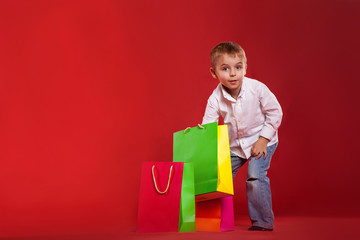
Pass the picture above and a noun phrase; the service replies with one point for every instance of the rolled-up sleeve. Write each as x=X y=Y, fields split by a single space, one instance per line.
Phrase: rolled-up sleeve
x=272 y=111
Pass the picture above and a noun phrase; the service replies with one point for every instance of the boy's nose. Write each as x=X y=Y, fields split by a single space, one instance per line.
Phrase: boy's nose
x=232 y=72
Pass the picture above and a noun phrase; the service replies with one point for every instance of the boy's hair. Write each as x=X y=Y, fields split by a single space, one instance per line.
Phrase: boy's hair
x=230 y=48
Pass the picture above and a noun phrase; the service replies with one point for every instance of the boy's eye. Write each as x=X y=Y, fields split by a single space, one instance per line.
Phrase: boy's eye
x=225 y=68
x=238 y=67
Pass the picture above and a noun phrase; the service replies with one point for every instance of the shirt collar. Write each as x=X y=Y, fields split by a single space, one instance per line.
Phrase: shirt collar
x=241 y=94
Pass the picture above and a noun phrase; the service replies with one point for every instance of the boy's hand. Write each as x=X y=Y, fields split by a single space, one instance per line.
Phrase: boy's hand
x=259 y=148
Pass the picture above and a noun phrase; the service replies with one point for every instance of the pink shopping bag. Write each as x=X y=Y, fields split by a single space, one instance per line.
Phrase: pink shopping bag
x=215 y=215
x=159 y=199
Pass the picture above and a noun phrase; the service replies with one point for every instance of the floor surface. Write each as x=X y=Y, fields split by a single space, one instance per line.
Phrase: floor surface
x=286 y=228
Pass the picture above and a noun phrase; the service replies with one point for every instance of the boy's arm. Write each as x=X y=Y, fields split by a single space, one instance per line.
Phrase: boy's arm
x=272 y=111
x=273 y=115
x=212 y=112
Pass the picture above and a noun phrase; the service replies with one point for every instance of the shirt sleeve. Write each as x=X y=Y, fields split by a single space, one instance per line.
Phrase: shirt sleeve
x=272 y=111
x=212 y=111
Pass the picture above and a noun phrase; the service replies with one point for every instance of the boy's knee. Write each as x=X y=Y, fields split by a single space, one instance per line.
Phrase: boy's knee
x=251 y=179
x=253 y=174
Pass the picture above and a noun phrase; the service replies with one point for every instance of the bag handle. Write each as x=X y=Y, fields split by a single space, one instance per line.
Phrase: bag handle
x=168 y=184
x=190 y=127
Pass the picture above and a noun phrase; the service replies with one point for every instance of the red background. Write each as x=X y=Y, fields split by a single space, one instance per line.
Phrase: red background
x=91 y=89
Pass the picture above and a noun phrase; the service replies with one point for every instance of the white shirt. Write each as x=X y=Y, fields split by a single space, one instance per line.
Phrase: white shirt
x=255 y=113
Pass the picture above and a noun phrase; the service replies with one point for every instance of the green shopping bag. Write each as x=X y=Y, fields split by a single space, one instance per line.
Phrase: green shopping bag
x=206 y=146
x=187 y=203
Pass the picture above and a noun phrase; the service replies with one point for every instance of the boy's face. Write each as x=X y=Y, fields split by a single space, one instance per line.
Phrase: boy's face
x=230 y=70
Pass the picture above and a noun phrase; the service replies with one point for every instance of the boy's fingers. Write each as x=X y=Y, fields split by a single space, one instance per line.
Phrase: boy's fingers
x=253 y=152
x=258 y=155
x=265 y=154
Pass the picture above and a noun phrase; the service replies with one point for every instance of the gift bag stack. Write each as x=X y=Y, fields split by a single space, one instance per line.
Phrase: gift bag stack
x=195 y=191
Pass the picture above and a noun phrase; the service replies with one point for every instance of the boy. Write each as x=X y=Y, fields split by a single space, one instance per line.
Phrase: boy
x=253 y=116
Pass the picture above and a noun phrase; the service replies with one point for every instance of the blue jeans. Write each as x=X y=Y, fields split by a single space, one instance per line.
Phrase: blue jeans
x=257 y=187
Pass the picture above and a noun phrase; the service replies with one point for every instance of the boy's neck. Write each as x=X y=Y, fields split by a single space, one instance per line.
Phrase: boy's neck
x=234 y=93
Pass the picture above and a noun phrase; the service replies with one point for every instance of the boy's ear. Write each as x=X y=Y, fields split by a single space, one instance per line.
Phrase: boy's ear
x=213 y=73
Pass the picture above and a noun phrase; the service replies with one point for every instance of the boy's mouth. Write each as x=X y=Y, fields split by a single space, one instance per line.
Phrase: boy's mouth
x=233 y=81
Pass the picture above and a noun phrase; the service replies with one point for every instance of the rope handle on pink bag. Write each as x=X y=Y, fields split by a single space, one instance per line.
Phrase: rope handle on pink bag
x=168 y=184
x=190 y=127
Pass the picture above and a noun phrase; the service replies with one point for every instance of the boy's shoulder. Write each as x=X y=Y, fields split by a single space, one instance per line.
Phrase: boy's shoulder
x=217 y=92
x=252 y=82
x=254 y=86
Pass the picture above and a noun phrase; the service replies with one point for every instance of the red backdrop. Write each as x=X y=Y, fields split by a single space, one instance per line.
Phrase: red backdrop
x=91 y=89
